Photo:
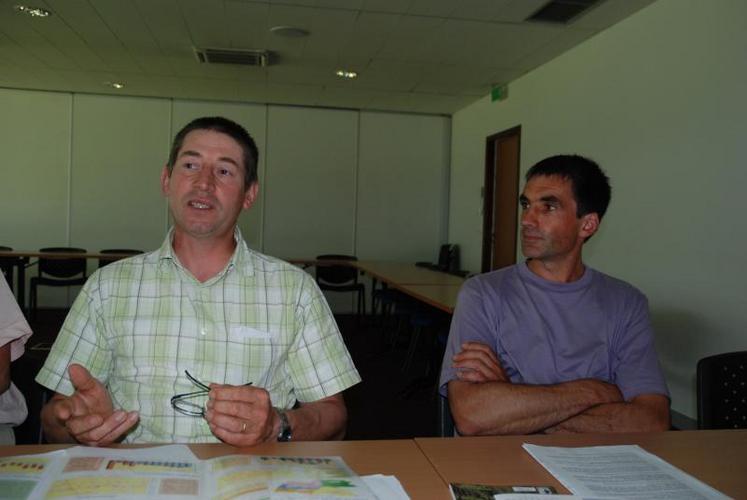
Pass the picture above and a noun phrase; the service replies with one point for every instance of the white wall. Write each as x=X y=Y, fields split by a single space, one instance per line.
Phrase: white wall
x=83 y=170
x=310 y=194
x=658 y=100
x=403 y=181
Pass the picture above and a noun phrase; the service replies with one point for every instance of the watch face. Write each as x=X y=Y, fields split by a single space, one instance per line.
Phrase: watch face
x=285 y=433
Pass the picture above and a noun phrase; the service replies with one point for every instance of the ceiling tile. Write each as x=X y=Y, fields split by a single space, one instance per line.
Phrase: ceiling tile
x=515 y=11
x=390 y=75
x=608 y=13
x=411 y=38
x=391 y=6
x=449 y=79
x=205 y=22
x=416 y=55
x=436 y=8
x=247 y=25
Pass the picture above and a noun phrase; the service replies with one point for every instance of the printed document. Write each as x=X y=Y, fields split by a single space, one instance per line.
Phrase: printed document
x=174 y=472
x=619 y=472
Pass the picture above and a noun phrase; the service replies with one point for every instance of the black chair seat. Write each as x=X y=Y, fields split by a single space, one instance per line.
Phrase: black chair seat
x=342 y=288
x=58 y=272
x=341 y=278
x=36 y=280
x=722 y=391
x=6 y=265
x=127 y=251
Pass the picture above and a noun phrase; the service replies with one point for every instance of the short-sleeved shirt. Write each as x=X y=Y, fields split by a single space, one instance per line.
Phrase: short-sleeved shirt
x=545 y=332
x=14 y=330
x=140 y=323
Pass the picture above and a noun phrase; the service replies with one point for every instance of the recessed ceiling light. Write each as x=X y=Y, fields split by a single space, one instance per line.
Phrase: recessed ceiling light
x=344 y=73
x=32 y=11
x=289 y=31
x=114 y=85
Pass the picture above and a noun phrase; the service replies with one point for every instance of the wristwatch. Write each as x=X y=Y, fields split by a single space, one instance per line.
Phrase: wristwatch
x=285 y=433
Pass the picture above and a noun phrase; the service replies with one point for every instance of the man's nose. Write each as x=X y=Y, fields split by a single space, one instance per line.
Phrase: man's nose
x=528 y=218
x=205 y=178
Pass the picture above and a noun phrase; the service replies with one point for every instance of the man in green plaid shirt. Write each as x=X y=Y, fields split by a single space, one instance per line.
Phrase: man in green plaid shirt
x=203 y=340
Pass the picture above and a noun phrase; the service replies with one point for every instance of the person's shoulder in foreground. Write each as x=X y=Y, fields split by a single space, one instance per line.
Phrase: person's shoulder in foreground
x=14 y=332
x=552 y=345
x=203 y=340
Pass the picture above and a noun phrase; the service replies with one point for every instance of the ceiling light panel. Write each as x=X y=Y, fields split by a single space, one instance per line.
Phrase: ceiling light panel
x=31 y=11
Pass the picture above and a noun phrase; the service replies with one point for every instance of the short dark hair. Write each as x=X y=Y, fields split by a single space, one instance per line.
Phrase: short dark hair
x=223 y=126
x=591 y=187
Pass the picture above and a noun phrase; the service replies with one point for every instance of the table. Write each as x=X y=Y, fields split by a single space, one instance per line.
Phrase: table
x=401 y=458
x=717 y=458
x=424 y=466
x=441 y=297
x=404 y=273
x=435 y=288
x=22 y=258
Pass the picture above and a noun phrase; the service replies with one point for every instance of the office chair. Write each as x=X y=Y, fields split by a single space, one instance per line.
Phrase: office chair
x=445 y=421
x=6 y=266
x=341 y=278
x=128 y=251
x=722 y=391
x=58 y=272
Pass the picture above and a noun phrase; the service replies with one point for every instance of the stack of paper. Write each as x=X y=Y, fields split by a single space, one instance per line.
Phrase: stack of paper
x=619 y=472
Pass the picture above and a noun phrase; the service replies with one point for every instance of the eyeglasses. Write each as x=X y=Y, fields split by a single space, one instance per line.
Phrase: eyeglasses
x=182 y=403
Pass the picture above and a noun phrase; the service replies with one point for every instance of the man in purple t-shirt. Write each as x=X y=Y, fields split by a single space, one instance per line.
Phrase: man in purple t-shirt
x=551 y=345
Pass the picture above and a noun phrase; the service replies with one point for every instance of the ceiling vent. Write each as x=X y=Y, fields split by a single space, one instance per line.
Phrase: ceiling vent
x=562 y=11
x=244 y=57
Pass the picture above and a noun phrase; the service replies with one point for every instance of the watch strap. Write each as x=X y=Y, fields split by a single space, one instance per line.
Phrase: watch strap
x=285 y=433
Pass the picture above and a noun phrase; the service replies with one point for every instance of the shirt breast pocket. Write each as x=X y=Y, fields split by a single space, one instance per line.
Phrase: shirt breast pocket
x=252 y=354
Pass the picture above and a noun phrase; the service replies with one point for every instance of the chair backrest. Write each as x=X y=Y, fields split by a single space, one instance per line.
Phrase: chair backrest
x=448 y=258
x=62 y=268
x=127 y=251
x=722 y=391
x=445 y=421
x=336 y=275
x=6 y=265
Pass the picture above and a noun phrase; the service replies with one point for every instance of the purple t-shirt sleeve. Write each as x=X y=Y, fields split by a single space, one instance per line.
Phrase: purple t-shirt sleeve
x=635 y=365
x=471 y=322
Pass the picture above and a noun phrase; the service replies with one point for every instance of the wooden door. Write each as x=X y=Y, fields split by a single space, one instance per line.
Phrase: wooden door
x=501 y=199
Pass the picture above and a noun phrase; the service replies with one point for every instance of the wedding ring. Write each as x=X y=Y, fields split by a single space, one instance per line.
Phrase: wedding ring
x=243 y=427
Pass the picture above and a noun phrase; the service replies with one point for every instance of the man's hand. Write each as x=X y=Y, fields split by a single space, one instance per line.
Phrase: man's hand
x=477 y=362
x=241 y=415
x=88 y=414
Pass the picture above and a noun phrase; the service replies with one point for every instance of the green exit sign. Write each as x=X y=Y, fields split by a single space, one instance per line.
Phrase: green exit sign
x=499 y=93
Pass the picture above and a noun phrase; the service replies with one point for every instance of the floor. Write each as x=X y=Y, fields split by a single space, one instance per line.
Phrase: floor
x=389 y=403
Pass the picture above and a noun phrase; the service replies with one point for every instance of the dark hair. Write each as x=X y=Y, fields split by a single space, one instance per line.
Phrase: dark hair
x=224 y=126
x=591 y=187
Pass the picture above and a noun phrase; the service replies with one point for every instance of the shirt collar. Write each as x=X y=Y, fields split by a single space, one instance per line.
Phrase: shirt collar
x=580 y=283
x=239 y=260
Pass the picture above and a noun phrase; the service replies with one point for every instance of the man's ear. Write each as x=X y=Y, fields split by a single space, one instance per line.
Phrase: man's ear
x=589 y=225
x=165 y=178
x=250 y=196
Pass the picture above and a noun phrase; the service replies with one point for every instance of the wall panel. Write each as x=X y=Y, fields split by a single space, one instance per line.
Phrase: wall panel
x=310 y=181
x=402 y=197
x=119 y=147
x=34 y=206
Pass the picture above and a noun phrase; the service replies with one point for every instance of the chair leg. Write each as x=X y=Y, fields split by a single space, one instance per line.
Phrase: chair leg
x=411 y=349
x=32 y=301
x=398 y=322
